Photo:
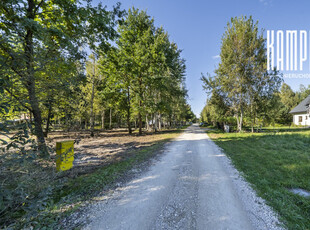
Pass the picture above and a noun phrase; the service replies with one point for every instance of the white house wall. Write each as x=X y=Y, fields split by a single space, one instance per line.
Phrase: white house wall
x=305 y=119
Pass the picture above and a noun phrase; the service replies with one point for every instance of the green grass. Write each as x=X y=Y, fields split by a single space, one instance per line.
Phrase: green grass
x=62 y=195
x=286 y=128
x=273 y=163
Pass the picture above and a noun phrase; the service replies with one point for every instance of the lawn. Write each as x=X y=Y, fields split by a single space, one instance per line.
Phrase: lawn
x=34 y=195
x=274 y=163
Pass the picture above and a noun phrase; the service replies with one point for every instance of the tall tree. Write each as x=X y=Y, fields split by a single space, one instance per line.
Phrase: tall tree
x=241 y=76
x=32 y=30
x=136 y=39
x=93 y=78
x=146 y=72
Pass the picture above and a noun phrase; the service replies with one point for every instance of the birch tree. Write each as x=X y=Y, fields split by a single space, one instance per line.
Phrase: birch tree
x=241 y=77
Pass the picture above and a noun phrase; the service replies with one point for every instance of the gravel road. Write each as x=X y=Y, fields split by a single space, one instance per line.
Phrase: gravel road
x=191 y=186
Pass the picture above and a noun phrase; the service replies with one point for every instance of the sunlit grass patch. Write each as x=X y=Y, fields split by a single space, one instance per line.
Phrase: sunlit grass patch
x=273 y=163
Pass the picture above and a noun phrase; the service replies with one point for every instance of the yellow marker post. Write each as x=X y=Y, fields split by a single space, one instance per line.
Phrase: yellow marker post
x=64 y=155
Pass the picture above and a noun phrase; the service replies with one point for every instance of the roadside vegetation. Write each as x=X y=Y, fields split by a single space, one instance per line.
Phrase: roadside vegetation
x=105 y=77
x=241 y=92
x=273 y=164
x=35 y=195
x=271 y=152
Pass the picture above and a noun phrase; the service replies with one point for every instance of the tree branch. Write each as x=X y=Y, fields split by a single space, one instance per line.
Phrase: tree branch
x=16 y=98
x=38 y=6
x=12 y=56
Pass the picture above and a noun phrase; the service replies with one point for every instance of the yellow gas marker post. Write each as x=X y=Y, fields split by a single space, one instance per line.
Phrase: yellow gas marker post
x=64 y=155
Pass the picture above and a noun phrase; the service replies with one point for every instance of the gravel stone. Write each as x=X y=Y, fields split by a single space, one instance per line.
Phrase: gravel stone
x=192 y=185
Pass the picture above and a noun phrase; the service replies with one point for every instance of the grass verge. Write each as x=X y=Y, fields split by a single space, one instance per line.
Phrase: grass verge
x=43 y=197
x=273 y=163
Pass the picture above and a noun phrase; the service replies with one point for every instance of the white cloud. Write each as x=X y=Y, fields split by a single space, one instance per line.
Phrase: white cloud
x=265 y=2
x=216 y=57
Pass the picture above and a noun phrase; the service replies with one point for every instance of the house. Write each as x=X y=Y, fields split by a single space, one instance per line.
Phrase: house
x=301 y=113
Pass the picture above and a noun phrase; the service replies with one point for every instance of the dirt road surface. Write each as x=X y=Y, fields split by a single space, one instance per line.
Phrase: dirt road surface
x=191 y=186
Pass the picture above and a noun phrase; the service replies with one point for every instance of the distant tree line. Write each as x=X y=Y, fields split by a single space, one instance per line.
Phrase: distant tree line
x=242 y=92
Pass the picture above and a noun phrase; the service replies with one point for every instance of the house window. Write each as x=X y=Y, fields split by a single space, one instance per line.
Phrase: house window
x=300 y=119
x=306 y=118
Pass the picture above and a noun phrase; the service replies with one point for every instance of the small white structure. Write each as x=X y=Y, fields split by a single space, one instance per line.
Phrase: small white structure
x=301 y=113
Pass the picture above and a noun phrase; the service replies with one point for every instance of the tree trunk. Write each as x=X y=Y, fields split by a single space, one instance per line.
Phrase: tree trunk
x=140 y=123
x=152 y=120
x=156 y=122
x=140 y=105
x=110 y=125
x=30 y=117
x=128 y=123
x=30 y=84
x=253 y=123
x=128 y=111
x=164 y=123
x=159 y=121
x=92 y=100
x=147 y=123
x=48 y=118
x=38 y=123
x=252 y=117
x=238 y=124
x=119 y=123
x=241 y=119
x=102 y=119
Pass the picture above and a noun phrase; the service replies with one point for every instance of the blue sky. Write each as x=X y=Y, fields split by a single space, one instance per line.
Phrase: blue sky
x=197 y=27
